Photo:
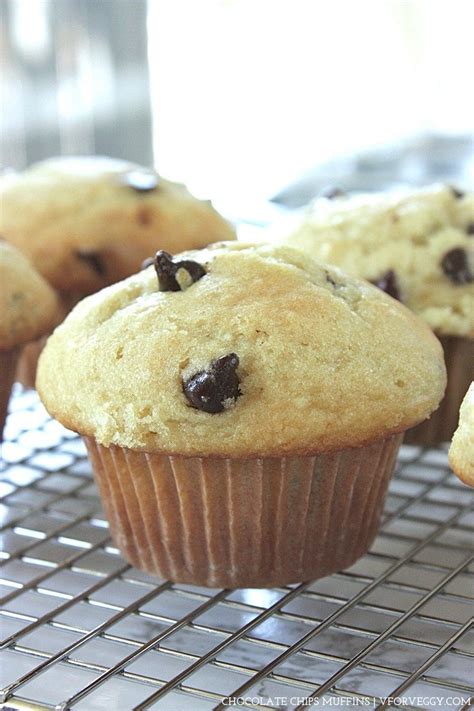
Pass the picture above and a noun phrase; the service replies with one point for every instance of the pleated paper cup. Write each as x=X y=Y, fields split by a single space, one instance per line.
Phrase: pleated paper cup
x=440 y=427
x=243 y=522
x=8 y=363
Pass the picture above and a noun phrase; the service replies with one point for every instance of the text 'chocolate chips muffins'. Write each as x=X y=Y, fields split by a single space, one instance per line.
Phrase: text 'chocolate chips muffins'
x=87 y=222
x=417 y=246
x=28 y=308
x=242 y=406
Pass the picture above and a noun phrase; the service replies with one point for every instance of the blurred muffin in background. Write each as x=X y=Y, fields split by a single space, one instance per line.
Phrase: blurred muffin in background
x=28 y=309
x=418 y=246
x=461 y=452
x=87 y=222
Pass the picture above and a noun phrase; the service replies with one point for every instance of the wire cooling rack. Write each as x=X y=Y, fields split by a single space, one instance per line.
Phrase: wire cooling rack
x=81 y=629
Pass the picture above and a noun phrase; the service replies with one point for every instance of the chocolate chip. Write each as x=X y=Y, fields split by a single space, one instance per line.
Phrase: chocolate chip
x=456 y=266
x=331 y=192
x=93 y=260
x=388 y=283
x=167 y=270
x=458 y=194
x=470 y=228
x=214 y=389
x=195 y=270
x=140 y=180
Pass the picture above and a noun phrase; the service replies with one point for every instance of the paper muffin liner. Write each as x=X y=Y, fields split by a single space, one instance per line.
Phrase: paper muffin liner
x=243 y=522
x=440 y=427
x=8 y=363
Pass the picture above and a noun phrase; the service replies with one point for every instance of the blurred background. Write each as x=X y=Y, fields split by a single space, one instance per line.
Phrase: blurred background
x=245 y=100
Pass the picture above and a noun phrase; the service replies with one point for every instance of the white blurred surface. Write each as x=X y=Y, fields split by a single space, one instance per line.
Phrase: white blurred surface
x=248 y=95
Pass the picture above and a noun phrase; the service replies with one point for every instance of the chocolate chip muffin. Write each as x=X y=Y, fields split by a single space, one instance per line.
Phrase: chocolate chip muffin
x=418 y=246
x=242 y=406
x=28 y=308
x=461 y=452
x=86 y=222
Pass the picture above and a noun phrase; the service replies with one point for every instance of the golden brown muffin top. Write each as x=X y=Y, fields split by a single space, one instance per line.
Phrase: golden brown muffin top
x=258 y=351
x=87 y=222
x=28 y=306
x=418 y=245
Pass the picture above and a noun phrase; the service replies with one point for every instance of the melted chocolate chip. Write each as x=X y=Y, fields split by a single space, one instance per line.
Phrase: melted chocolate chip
x=458 y=194
x=212 y=389
x=388 y=283
x=456 y=266
x=140 y=180
x=331 y=192
x=93 y=260
x=167 y=270
x=470 y=229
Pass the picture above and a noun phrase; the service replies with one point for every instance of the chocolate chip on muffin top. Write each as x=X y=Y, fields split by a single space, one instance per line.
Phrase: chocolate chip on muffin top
x=167 y=271
x=216 y=388
x=455 y=265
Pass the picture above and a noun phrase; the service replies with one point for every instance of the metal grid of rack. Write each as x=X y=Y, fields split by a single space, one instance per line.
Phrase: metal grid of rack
x=81 y=629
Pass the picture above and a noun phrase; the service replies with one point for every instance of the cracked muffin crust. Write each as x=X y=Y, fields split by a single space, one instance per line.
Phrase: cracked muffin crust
x=268 y=352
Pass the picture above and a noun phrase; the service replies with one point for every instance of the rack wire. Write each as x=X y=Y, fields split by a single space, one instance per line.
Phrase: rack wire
x=81 y=629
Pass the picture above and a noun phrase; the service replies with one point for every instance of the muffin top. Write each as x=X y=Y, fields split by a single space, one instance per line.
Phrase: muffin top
x=416 y=245
x=86 y=222
x=246 y=351
x=461 y=452
x=28 y=307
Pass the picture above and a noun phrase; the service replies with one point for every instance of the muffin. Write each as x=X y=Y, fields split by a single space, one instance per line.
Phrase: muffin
x=86 y=222
x=461 y=451
x=28 y=308
x=242 y=411
x=418 y=246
